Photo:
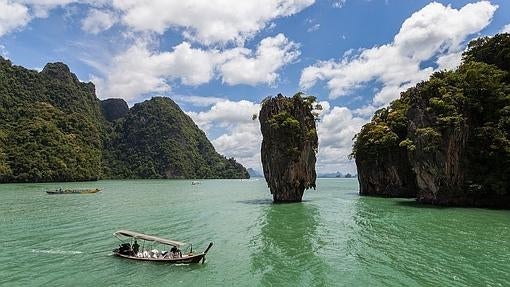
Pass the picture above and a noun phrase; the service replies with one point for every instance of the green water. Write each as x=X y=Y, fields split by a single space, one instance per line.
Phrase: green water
x=333 y=238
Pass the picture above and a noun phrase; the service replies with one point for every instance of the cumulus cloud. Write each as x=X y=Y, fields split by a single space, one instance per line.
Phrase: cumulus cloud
x=208 y=22
x=140 y=70
x=98 y=21
x=505 y=29
x=198 y=101
x=313 y=28
x=15 y=15
x=242 y=137
x=226 y=114
x=435 y=33
x=339 y=3
x=336 y=130
x=12 y=16
x=272 y=53
x=3 y=52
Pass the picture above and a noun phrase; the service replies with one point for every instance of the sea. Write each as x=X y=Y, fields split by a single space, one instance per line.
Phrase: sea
x=333 y=238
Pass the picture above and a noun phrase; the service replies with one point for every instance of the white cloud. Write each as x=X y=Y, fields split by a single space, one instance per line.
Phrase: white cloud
x=12 y=16
x=208 y=22
x=3 y=52
x=242 y=137
x=226 y=114
x=198 y=101
x=272 y=53
x=339 y=3
x=435 y=33
x=336 y=131
x=98 y=21
x=17 y=14
x=140 y=70
x=132 y=73
x=505 y=29
x=313 y=28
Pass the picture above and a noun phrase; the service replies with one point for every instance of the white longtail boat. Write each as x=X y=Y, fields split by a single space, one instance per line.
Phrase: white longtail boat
x=174 y=255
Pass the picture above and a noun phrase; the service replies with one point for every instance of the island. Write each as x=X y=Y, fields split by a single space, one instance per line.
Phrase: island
x=54 y=128
x=289 y=145
x=445 y=141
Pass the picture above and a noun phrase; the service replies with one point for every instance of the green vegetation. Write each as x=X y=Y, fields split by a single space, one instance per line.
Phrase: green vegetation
x=284 y=123
x=469 y=106
x=157 y=140
x=51 y=126
x=52 y=129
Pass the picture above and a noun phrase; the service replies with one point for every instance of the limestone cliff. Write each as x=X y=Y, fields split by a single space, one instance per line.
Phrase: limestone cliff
x=447 y=140
x=289 y=146
x=114 y=109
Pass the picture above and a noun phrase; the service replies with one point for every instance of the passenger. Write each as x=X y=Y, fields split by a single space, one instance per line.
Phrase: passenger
x=176 y=253
x=136 y=247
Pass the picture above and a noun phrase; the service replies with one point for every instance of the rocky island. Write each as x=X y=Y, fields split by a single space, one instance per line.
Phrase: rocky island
x=445 y=141
x=289 y=146
x=54 y=128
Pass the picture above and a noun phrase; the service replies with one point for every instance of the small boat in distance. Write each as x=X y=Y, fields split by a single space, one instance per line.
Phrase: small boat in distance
x=195 y=182
x=132 y=250
x=73 y=191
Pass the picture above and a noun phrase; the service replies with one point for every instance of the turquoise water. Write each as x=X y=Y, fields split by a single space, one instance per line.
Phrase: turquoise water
x=333 y=238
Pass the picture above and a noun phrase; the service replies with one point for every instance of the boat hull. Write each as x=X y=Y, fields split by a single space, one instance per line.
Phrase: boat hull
x=182 y=260
x=73 y=191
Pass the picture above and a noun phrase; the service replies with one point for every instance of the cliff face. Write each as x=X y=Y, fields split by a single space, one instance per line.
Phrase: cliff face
x=114 y=109
x=390 y=175
x=448 y=136
x=289 y=146
x=382 y=162
x=437 y=157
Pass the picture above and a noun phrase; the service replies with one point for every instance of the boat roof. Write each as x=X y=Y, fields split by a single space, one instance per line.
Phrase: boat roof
x=146 y=237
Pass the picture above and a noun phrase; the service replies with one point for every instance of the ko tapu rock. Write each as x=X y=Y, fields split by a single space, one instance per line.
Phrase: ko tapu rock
x=289 y=145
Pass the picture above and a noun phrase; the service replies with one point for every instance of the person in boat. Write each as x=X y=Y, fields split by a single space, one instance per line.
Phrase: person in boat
x=136 y=248
x=125 y=248
x=176 y=253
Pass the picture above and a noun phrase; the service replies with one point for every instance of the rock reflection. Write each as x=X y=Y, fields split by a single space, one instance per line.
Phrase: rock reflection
x=289 y=245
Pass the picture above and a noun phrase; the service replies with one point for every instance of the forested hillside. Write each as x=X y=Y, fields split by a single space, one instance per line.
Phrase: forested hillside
x=53 y=128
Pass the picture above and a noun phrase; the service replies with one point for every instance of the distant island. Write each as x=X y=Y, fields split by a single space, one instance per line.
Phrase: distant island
x=54 y=128
x=254 y=173
x=445 y=141
x=336 y=175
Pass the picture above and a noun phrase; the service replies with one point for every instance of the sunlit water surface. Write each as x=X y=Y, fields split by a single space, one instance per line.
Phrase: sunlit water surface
x=333 y=238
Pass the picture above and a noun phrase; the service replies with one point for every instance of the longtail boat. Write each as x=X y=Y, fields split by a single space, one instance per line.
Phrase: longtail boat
x=73 y=191
x=130 y=250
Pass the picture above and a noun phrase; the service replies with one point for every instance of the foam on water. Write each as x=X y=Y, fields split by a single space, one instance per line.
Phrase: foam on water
x=60 y=252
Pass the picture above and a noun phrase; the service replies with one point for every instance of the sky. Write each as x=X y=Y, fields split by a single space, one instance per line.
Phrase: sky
x=219 y=58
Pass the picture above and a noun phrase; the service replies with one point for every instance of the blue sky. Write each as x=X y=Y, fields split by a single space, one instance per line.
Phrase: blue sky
x=219 y=59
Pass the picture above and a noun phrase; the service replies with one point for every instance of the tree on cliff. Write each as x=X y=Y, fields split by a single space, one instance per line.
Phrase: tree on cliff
x=447 y=139
x=289 y=145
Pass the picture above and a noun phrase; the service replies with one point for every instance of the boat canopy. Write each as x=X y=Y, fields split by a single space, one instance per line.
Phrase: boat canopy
x=146 y=237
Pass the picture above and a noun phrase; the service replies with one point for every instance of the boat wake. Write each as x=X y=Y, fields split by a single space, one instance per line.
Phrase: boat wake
x=60 y=252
